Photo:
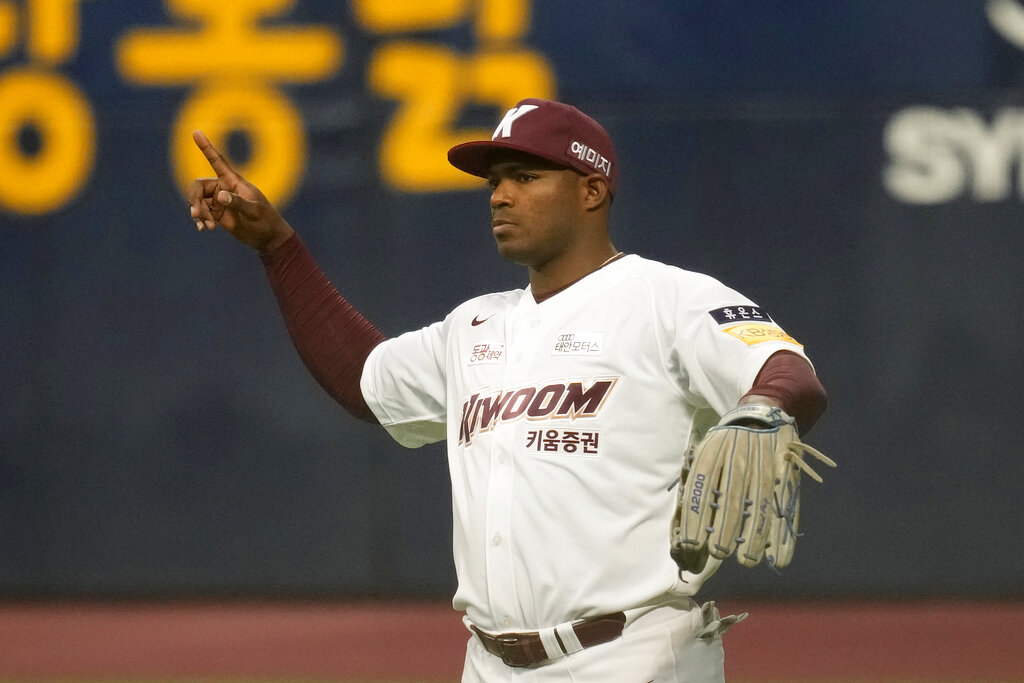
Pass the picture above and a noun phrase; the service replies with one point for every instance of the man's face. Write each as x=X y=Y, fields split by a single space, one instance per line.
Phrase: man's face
x=535 y=208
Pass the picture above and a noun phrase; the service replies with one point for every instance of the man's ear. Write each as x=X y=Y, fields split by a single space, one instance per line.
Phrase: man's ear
x=595 y=188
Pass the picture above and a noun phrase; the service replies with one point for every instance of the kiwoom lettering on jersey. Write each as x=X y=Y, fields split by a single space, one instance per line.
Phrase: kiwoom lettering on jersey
x=567 y=400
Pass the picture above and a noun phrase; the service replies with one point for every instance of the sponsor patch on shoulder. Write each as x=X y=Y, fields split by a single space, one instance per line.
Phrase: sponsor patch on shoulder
x=755 y=333
x=739 y=314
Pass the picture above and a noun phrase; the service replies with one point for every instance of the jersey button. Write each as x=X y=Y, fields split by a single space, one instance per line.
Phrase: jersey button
x=502 y=459
x=496 y=539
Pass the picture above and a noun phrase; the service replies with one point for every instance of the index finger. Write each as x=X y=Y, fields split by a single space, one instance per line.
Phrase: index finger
x=217 y=160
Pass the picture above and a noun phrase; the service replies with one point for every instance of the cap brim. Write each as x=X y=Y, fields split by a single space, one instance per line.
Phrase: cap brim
x=475 y=158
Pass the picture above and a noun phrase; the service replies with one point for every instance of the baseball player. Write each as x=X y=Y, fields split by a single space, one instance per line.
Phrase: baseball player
x=575 y=412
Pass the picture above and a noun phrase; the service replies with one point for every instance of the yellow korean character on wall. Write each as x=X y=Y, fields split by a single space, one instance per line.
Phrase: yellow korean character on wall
x=236 y=66
x=47 y=126
x=434 y=82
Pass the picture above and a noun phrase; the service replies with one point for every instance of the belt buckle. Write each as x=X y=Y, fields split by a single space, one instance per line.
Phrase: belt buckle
x=512 y=657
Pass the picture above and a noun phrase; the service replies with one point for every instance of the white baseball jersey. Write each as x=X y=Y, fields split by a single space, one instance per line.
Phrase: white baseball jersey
x=566 y=423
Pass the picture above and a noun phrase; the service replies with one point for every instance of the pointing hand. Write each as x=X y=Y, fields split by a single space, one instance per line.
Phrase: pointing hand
x=235 y=204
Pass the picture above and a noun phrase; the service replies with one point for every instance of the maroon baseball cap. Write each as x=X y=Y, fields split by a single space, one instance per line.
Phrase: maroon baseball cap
x=551 y=130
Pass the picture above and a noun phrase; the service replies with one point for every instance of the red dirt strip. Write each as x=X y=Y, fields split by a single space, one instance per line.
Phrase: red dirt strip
x=417 y=641
x=245 y=641
x=934 y=641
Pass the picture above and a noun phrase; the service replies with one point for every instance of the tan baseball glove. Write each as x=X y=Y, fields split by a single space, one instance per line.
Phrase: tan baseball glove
x=740 y=491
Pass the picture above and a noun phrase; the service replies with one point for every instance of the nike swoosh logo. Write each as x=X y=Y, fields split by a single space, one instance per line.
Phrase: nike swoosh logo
x=476 y=320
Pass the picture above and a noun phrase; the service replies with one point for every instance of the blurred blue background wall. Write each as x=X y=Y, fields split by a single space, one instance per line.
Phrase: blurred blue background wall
x=854 y=167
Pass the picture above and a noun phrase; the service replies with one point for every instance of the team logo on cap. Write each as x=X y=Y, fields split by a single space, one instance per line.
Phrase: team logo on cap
x=504 y=128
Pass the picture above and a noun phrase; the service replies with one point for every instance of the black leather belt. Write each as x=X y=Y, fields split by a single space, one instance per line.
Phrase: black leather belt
x=527 y=649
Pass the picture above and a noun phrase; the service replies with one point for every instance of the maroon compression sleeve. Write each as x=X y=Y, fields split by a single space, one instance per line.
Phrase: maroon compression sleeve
x=790 y=379
x=333 y=339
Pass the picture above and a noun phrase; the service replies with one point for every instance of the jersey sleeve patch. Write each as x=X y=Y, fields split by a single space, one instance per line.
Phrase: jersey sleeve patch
x=738 y=314
x=755 y=333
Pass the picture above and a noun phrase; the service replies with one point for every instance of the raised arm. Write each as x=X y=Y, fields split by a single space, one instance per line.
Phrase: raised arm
x=332 y=338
